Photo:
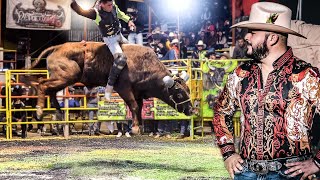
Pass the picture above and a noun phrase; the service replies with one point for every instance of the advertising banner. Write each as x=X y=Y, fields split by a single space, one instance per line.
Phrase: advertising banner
x=215 y=74
x=38 y=14
x=152 y=109
x=115 y=110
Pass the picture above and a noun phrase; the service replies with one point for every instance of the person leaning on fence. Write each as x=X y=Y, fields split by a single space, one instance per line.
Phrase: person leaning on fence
x=106 y=15
x=92 y=102
x=173 y=53
x=278 y=95
x=199 y=53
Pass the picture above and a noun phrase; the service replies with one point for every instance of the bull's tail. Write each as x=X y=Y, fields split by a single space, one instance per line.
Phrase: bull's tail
x=31 y=80
x=46 y=51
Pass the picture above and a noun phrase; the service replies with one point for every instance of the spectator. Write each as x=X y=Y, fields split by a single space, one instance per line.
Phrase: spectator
x=164 y=129
x=212 y=40
x=173 y=53
x=157 y=46
x=199 y=53
x=18 y=116
x=123 y=128
x=169 y=40
x=202 y=37
x=211 y=55
x=135 y=33
x=224 y=55
x=193 y=39
x=92 y=102
x=226 y=28
x=240 y=50
x=184 y=124
x=222 y=41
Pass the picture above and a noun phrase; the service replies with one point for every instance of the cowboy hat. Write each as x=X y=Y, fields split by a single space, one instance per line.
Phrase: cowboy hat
x=200 y=43
x=269 y=16
x=225 y=54
x=171 y=34
x=175 y=41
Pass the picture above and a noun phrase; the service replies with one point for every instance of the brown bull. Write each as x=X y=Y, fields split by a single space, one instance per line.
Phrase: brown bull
x=143 y=77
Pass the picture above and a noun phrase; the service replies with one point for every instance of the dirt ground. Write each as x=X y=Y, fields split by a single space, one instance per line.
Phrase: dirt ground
x=75 y=144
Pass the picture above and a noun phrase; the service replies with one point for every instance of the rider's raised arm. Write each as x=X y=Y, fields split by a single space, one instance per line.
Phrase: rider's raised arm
x=91 y=13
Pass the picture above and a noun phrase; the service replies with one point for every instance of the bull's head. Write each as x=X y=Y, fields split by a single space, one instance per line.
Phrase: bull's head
x=179 y=93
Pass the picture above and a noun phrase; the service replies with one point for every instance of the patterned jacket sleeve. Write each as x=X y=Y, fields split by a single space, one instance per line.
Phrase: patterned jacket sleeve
x=224 y=109
x=313 y=94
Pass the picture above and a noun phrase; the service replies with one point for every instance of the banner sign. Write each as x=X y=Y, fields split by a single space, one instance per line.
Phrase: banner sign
x=39 y=14
x=163 y=111
x=115 y=110
x=215 y=74
x=152 y=109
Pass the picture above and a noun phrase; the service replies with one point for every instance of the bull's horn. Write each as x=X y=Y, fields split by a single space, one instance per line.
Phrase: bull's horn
x=184 y=75
x=168 y=81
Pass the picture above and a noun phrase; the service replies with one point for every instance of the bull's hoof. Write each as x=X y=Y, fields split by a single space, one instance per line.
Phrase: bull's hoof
x=135 y=130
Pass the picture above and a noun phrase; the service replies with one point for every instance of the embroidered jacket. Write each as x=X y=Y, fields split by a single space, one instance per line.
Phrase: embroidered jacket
x=276 y=117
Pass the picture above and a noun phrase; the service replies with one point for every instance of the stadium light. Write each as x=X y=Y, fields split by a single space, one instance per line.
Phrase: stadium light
x=85 y=5
x=179 y=5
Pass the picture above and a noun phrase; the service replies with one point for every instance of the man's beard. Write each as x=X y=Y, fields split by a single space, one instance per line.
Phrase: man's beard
x=261 y=51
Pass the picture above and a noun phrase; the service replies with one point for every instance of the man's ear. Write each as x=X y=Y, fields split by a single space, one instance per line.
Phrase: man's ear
x=274 y=39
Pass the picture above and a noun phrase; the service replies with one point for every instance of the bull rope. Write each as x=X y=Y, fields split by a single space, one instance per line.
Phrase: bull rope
x=177 y=104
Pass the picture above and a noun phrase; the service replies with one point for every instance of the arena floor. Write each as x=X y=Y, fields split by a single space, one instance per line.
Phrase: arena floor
x=108 y=157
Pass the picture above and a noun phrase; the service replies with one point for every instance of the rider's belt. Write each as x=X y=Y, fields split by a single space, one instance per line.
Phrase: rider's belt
x=115 y=34
x=264 y=166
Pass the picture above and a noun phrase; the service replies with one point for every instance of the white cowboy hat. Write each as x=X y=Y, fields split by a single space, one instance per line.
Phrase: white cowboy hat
x=175 y=41
x=171 y=34
x=200 y=43
x=269 y=16
x=156 y=32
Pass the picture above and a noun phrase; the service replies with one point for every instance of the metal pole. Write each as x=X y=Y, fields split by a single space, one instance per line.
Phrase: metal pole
x=150 y=19
x=233 y=22
x=1 y=44
x=85 y=29
x=299 y=10
x=179 y=32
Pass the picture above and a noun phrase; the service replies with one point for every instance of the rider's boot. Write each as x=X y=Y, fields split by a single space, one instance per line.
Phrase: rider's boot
x=120 y=62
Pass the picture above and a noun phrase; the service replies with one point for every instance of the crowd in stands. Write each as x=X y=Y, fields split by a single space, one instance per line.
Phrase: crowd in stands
x=198 y=44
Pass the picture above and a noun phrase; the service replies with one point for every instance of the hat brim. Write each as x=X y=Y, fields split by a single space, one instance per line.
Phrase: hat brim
x=203 y=45
x=267 y=27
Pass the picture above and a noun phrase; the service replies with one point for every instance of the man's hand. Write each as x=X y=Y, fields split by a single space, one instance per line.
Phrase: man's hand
x=307 y=168
x=160 y=45
x=233 y=164
x=131 y=24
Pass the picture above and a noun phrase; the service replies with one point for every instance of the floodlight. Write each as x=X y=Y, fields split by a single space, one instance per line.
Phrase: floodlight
x=85 y=5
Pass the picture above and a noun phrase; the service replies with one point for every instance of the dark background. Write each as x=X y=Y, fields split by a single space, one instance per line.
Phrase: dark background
x=43 y=39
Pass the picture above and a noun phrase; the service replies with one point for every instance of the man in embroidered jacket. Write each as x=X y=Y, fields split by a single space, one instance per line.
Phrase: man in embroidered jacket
x=278 y=95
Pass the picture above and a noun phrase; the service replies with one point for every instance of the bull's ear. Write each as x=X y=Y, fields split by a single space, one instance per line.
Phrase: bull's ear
x=184 y=76
x=168 y=81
